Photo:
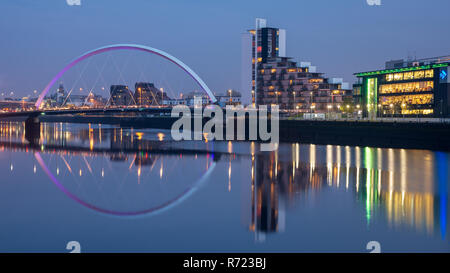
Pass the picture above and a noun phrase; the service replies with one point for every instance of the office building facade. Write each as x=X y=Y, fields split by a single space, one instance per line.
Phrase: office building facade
x=406 y=89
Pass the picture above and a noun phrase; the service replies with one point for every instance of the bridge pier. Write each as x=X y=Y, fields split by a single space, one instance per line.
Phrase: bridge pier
x=32 y=130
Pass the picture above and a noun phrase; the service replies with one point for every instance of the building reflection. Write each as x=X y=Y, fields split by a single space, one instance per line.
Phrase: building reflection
x=398 y=186
x=406 y=188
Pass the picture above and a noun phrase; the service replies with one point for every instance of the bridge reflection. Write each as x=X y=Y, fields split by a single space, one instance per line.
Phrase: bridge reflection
x=407 y=189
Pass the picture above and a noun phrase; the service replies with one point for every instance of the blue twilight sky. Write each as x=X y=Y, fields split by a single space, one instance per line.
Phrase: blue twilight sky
x=38 y=37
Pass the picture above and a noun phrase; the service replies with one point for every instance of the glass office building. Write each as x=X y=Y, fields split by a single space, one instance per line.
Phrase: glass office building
x=406 y=88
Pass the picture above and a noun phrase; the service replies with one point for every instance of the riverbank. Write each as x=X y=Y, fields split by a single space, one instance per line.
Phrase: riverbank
x=383 y=134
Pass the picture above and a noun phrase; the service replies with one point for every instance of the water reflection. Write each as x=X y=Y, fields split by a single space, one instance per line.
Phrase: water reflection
x=408 y=189
x=111 y=170
x=397 y=185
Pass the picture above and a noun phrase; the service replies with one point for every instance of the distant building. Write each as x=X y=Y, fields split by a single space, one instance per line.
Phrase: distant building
x=76 y=100
x=197 y=99
x=60 y=95
x=147 y=94
x=121 y=95
x=57 y=98
x=406 y=88
x=230 y=97
x=95 y=101
x=174 y=102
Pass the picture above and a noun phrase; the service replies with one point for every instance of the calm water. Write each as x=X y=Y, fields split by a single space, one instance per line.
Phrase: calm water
x=132 y=190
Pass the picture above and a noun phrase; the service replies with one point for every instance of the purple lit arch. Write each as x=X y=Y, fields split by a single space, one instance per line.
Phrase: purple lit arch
x=126 y=47
x=154 y=210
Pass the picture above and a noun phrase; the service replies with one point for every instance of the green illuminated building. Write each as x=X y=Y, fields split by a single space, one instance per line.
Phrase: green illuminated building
x=406 y=89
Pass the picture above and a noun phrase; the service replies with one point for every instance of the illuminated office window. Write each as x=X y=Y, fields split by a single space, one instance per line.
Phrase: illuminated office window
x=429 y=73
x=398 y=76
x=419 y=74
x=408 y=76
x=417 y=111
x=389 y=77
x=407 y=99
x=407 y=87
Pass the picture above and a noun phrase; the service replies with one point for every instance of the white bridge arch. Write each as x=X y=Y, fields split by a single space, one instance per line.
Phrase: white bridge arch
x=100 y=50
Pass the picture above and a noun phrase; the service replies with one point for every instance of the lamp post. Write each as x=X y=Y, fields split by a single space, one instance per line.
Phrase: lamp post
x=294 y=100
x=253 y=98
x=312 y=108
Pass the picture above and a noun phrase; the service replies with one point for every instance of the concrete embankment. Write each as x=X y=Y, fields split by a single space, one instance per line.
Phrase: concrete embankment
x=411 y=135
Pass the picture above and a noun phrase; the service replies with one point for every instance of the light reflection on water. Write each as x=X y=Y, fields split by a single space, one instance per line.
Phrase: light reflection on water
x=125 y=171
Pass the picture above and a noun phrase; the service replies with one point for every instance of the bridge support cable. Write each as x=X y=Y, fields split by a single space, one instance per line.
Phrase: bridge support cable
x=73 y=86
x=100 y=50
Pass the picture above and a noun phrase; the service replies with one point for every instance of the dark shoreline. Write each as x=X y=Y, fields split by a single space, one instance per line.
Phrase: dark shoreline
x=407 y=135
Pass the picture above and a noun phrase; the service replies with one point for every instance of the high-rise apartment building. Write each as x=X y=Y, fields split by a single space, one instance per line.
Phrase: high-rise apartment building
x=273 y=78
x=259 y=45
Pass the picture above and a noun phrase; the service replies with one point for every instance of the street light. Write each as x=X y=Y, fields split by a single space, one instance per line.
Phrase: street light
x=294 y=97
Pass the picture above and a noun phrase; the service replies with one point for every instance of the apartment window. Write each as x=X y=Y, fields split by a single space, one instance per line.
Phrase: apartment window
x=316 y=80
